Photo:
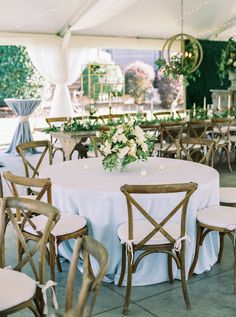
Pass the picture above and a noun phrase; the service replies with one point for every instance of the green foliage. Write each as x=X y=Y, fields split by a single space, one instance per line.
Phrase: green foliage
x=19 y=78
x=196 y=91
x=227 y=59
x=180 y=66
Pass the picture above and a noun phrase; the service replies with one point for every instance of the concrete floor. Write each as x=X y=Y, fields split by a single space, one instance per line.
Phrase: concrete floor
x=211 y=293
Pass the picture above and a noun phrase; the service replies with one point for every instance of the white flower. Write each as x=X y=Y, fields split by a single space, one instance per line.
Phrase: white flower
x=115 y=138
x=144 y=147
x=98 y=134
x=138 y=132
x=107 y=148
x=122 y=138
x=132 y=151
x=120 y=130
x=234 y=64
x=230 y=61
x=123 y=151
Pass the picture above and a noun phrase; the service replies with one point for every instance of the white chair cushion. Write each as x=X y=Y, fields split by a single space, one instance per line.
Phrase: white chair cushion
x=143 y=227
x=232 y=138
x=68 y=223
x=16 y=288
x=218 y=216
x=228 y=195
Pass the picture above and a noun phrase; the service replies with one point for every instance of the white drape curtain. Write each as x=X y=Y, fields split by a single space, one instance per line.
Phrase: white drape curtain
x=61 y=68
x=61 y=63
x=100 y=12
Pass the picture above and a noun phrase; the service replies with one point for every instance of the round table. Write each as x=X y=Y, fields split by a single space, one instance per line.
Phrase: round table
x=84 y=187
x=23 y=109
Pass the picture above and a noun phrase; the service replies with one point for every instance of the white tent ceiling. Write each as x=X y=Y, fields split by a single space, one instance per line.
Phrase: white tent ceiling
x=145 y=21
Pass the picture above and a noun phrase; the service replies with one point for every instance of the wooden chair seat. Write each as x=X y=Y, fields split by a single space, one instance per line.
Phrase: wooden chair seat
x=67 y=224
x=12 y=294
x=143 y=227
x=228 y=195
x=221 y=219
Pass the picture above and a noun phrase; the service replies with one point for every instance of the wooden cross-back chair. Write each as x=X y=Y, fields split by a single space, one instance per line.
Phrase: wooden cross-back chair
x=198 y=128
x=221 y=219
x=18 y=290
x=196 y=150
x=221 y=135
x=57 y=121
x=170 y=132
x=70 y=226
x=56 y=146
x=154 y=233
x=32 y=169
x=19 y=187
x=90 y=284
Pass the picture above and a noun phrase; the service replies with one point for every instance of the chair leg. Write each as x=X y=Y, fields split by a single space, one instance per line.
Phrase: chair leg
x=222 y=235
x=234 y=269
x=170 y=269
x=59 y=267
x=52 y=257
x=228 y=159
x=198 y=240
x=128 y=285
x=183 y=278
x=123 y=265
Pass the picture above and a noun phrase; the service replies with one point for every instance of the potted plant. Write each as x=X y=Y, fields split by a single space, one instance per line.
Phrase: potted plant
x=227 y=64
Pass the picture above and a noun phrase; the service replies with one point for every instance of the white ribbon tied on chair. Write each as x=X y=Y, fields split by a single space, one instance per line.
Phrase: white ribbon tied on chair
x=23 y=118
x=178 y=242
x=232 y=228
x=129 y=247
x=44 y=288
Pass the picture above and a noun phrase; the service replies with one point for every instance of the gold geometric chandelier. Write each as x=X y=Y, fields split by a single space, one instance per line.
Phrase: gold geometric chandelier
x=190 y=55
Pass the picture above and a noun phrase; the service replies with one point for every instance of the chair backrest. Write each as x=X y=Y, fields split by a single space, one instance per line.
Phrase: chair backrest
x=15 y=181
x=170 y=132
x=198 y=128
x=45 y=146
x=56 y=120
x=27 y=207
x=196 y=150
x=90 y=284
x=158 y=225
x=221 y=128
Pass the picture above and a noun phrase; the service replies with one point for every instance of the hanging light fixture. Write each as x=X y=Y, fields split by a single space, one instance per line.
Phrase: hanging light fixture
x=187 y=60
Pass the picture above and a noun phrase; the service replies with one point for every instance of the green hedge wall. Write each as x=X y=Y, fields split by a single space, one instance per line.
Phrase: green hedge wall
x=19 y=78
x=209 y=78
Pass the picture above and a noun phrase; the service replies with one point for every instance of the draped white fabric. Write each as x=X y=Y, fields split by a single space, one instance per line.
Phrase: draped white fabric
x=61 y=68
x=100 y=12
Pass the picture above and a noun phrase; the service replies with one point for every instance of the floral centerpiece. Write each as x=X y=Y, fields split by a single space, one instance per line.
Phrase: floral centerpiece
x=122 y=145
x=228 y=59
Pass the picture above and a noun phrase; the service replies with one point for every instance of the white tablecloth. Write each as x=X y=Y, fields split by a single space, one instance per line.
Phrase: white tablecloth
x=83 y=187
